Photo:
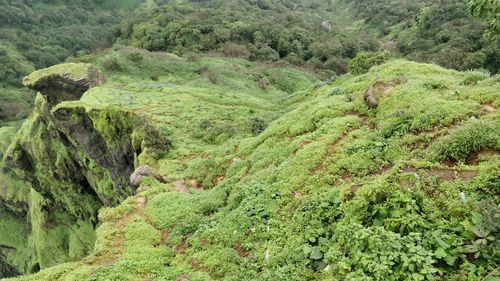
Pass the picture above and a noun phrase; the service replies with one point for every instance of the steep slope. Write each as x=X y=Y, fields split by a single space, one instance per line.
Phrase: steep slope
x=69 y=170
x=332 y=189
x=71 y=158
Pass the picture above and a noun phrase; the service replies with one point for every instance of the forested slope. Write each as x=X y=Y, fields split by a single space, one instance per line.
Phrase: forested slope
x=324 y=35
x=38 y=34
x=441 y=32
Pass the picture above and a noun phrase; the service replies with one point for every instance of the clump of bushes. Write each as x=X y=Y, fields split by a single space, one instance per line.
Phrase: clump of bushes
x=473 y=77
x=112 y=63
x=366 y=60
x=152 y=137
x=472 y=137
x=214 y=132
x=157 y=138
x=135 y=57
x=258 y=125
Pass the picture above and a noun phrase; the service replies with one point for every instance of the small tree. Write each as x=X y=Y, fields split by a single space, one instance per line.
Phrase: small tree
x=488 y=10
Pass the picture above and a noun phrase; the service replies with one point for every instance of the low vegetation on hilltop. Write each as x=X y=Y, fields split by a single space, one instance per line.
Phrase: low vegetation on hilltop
x=328 y=189
x=249 y=140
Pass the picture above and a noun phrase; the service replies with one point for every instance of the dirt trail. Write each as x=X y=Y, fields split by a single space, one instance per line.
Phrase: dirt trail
x=140 y=203
x=117 y=242
x=476 y=157
x=110 y=258
x=489 y=108
x=447 y=174
x=180 y=186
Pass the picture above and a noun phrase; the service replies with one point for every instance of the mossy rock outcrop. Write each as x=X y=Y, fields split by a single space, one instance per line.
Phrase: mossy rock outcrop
x=72 y=171
x=63 y=165
x=64 y=81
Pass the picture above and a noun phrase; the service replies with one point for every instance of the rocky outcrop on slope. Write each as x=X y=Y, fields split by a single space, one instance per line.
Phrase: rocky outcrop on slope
x=64 y=82
x=71 y=161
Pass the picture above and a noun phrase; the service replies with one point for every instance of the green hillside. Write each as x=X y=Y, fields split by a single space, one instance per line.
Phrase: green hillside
x=320 y=36
x=218 y=99
x=267 y=174
x=249 y=140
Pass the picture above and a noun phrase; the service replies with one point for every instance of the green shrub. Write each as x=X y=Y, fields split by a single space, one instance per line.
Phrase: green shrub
x=473 y=77
x=258 y=125
x=366 y=60
x=472 y=137
x=135 y=57
x=112 y=63
x=157 y=138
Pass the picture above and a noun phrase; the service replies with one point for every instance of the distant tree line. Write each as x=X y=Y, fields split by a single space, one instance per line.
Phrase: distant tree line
x=300 y=32
x=437 y=31
x=297 y=32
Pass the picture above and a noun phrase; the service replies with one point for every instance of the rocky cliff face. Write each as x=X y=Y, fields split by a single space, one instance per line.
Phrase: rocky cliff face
x=65 y=163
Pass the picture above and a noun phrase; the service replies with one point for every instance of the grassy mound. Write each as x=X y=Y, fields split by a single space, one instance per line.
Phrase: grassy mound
x=271 y=178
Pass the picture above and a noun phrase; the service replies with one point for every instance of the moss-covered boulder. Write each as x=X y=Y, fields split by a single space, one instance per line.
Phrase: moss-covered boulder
x=64 y=81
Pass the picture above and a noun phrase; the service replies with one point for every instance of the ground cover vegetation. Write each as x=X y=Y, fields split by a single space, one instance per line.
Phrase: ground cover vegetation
x=293 y=179
x=249 y=140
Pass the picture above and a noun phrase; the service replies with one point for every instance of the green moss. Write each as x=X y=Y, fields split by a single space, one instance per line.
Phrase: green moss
x=6 y=135
x=114 y=124
x=74 y=71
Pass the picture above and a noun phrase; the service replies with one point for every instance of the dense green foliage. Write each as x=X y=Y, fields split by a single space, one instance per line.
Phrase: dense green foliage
x=441 y=31
x=321 y=35
x=324 y=189
x=47 y=32
x=312 y=31
x=487 y=10
x=318 y=35
x=38 y=34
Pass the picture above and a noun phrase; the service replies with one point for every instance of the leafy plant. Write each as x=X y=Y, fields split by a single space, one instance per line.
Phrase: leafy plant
x=365 y=60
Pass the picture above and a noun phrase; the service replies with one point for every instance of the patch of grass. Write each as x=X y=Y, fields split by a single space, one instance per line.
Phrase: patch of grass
x=471 y=137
